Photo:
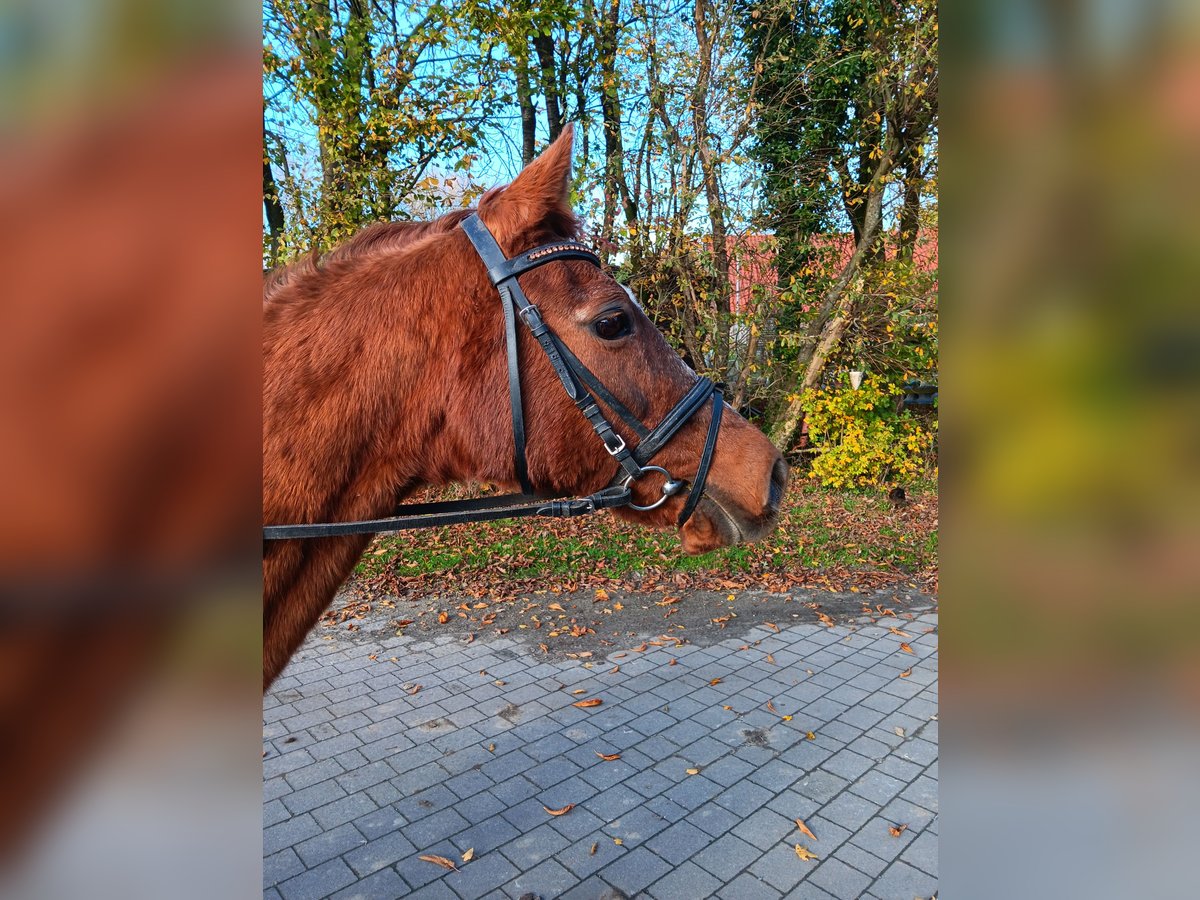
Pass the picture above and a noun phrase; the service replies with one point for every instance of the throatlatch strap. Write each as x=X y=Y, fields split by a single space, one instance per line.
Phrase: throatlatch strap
x=710 y=445
x=514 y=392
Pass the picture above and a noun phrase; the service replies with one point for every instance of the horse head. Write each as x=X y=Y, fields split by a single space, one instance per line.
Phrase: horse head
x=603 y=327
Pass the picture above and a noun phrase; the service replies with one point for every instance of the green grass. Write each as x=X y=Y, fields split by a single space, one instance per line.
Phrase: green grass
x=819 y=530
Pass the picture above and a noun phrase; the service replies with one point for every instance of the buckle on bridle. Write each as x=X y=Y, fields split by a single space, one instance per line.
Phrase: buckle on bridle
x=613 y=451
x=530 y=311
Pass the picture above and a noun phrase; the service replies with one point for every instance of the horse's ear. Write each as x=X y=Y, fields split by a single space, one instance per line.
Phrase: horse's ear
x=540 y=195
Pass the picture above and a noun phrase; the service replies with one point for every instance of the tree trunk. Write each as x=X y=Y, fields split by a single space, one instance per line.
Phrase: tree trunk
x=528 y=120
x=836 y=310
x=615 y=185
x=271 y=203
x=544 y=45
x=712 y=189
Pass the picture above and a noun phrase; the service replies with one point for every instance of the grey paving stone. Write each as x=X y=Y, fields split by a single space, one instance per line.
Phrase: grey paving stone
x=748 y=886
x=847 y=764
x=533 y=846
x=547 y=879
x=713 y=819
x=923 y=853
x=314 y=884
x=679 y=842
x=437 y=827
x=923 y=792
x=481 y=875
x=875 y=838
x=693 y=792
x=281 y=866
x=379 y=822
x=613 y=802
x=867 y=863
x=901 y=880
x=688 y=880
x=839 y=879
x=820 y=785
x=380 y=853
x=590 y=889
x=849 y=810
x=328 y=844
x=388 y=751
x=743 y=796
x=288 y=833
x=383 y=885
x=635 y=871
x=781 y=868
x=727 y=856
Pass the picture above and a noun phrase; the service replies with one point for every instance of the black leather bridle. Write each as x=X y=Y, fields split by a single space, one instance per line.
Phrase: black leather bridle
x=582 y=386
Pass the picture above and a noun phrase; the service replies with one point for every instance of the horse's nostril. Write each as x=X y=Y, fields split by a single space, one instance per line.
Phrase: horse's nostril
x=779 y=473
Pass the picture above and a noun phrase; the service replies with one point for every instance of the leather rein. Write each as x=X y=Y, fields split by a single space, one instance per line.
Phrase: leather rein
x=582 y=386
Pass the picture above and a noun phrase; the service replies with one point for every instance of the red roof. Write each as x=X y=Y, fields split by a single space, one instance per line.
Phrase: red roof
x=752 y=260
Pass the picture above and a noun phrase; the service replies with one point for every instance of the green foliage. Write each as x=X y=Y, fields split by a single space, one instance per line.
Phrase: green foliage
x=862 y=440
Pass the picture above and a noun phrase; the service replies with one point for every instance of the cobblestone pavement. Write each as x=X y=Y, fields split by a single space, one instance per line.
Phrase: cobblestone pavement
x=362 y=776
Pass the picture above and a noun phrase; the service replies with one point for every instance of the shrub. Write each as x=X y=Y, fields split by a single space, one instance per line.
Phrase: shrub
x=860 y=438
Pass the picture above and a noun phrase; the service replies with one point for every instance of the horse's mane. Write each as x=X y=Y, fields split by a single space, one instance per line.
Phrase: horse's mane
x=391 y=236
x=379 y=236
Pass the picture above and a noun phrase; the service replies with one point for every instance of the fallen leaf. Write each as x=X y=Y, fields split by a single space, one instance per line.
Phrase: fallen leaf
x=786 y=718
x=499 y=683
x=618 y=841
x=373 y=656
x=595 y=847
x=579 y=691
x=414 y=689
x=899 y=731
x=905 y=647
x=491 y=748
x=443 y=618
x=810 y=736
x=469 y=855
x=894 y=630
x=772 y=626
x=608 y=757
x=601 y=595
x=693 y=771
x=470 y=638
x=440 y=861
x=673 y=662
x=584 y=704
x=770 y=659
x=897 y=830
x=804 y=853
x=715 y=681
x=614 y=670
x=906 y=672
x=559 y=812
x=800 y=824
x=556 y=606
x=771 y=707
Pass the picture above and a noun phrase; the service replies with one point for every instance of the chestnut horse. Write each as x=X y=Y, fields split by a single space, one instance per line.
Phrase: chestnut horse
x=385 y=371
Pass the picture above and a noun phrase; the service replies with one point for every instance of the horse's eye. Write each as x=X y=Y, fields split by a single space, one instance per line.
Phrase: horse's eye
x=613 y=326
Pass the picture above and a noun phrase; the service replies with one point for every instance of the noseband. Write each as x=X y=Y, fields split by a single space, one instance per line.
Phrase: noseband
x=583 y=387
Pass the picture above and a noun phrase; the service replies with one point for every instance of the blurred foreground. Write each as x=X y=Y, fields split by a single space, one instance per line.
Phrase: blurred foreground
x=1071 y=487
x=128 y=396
